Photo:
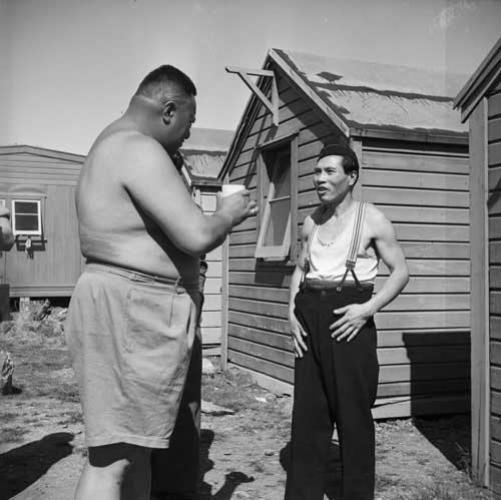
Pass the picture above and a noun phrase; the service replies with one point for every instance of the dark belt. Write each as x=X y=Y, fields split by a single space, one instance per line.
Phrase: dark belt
x=317 y=284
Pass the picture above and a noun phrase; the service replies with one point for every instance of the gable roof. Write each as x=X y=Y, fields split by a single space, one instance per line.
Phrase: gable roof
x=204 y=153
x=366 y=94
x=485 y=76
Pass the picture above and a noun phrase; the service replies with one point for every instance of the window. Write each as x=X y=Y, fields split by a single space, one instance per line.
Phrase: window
x=26 y=217
x=277 y=199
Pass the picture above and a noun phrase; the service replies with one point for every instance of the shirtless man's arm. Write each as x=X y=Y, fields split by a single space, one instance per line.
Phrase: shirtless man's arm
x=382 y=235
x=150 y=178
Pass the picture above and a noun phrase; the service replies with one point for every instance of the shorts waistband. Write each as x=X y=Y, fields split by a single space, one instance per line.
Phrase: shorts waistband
x=316 y=284
x=141 y=277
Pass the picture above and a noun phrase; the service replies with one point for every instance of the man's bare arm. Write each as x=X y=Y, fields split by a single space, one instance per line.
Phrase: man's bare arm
x=151 y=179
x=392 y=255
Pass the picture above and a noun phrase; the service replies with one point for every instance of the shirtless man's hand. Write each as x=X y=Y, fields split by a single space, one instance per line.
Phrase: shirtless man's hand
x=239 y=205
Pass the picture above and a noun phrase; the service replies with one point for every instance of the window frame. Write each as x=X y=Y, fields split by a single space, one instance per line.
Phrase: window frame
x=18 y=232
x=287 y=250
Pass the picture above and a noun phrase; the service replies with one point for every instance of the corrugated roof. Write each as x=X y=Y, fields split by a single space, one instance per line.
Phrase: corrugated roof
x=209 y=139
x=203 y=164
x=205 y=150
x=366 y=94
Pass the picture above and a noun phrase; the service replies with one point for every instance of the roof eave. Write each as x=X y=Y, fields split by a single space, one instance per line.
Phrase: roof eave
x=36 y=150
x=478 y=84
x=413 y=135
x=310 y=94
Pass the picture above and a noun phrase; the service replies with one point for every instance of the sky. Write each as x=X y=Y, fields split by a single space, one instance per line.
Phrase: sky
x=69 y=67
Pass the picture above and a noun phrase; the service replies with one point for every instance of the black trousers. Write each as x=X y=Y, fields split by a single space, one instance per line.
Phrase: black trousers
x=334 y=382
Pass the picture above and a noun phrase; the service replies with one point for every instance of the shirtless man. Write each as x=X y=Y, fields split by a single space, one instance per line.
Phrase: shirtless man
x=331 y=311
x=132 y=317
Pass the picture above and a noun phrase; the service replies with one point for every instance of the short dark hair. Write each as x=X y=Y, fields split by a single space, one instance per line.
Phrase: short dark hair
x=161 y=81
x=350 y=160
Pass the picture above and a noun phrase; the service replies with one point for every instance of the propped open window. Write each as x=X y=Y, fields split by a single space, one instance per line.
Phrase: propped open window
x=26 y=217
x=277 y=199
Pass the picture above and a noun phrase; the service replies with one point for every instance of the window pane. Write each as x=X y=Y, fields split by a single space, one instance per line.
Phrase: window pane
x=281 y=176
x=26 y=207
x=26 y=222
x=279 y=214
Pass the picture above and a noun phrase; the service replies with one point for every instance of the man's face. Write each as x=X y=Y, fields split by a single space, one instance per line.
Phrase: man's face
x=181 y=120
x=330 y=179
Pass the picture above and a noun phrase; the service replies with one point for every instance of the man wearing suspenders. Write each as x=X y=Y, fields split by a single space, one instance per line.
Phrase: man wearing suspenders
x=331 y=311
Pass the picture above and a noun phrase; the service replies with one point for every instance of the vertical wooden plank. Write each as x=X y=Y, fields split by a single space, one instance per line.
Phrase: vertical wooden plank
x=480 y=384
x=294 y=196
x=224 y=303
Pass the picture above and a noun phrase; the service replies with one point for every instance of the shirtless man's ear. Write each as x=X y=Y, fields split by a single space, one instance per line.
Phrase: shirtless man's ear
x=168 y=112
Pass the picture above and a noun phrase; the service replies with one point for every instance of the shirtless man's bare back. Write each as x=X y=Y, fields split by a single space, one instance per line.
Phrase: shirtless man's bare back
x=132 y=316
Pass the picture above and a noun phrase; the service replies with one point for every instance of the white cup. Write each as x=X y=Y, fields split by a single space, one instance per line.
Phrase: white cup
x=228 y=189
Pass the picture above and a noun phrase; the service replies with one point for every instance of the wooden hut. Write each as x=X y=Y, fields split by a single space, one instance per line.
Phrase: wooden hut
x=204 y=153
x=480 y=102
x=38 y=186
x=413 y=152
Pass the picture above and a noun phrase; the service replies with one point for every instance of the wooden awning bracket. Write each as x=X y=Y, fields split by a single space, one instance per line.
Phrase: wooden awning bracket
x=245 y=74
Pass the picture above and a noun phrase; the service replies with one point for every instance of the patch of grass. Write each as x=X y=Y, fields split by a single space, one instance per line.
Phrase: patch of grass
x=71 y=417
x=450 y=492
x=42 y=365
x=232 y=389
x=7 y=416
x=13 y=434
x=264 y=411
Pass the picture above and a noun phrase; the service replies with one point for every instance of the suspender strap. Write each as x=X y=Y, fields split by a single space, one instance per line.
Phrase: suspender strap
x=351 y=260
x=356 y=236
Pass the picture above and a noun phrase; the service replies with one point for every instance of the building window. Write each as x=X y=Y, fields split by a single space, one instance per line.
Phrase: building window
x=277 y=176
x=26 y=217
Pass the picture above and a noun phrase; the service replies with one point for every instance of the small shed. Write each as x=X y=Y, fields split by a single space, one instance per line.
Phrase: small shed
x=480 y=103
x=38 y=186
x=413 y=152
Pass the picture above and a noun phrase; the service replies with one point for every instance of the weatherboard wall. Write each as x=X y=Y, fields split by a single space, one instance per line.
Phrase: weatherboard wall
x=424 y=335
x=493 y=148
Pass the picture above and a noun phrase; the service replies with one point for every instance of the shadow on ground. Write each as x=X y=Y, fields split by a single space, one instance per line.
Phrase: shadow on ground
x=332 y=471
x=231 y=480
x=450 y=435
x=22 y=466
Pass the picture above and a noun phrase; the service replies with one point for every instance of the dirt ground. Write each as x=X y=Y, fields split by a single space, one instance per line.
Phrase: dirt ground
x=244 y=454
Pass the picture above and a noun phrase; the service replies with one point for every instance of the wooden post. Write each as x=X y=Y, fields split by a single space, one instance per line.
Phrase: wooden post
x=356 y=145
x=480 y=380
x=225 y=285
